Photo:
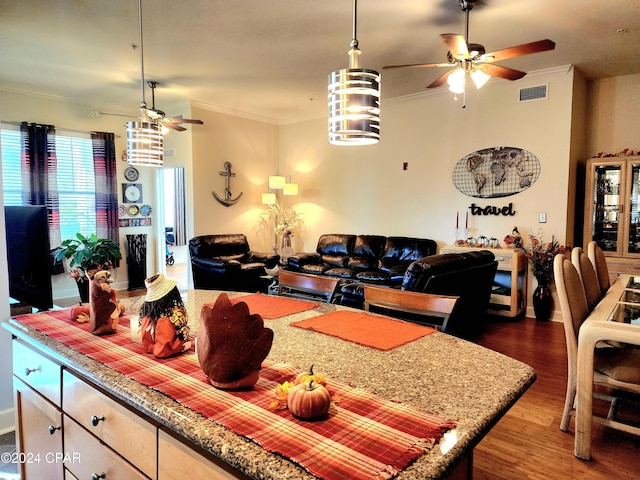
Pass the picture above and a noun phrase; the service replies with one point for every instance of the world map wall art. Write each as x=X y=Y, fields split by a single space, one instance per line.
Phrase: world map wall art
x=496 y=172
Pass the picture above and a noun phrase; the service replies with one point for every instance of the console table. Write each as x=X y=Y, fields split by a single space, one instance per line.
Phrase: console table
x=102 y=414
x=508 y=301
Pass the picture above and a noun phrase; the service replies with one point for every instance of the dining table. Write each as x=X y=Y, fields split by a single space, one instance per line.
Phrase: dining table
x=616 y=318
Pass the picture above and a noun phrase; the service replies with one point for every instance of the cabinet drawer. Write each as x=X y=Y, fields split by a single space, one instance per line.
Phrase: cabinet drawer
x=37 y=371
x=125 y=432
x=85 y=456
x=177 y=462
x=505 y=262
x=39 y=434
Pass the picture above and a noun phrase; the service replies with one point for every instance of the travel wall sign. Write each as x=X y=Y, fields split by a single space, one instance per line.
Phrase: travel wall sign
x=496 y=172
x=489 y=210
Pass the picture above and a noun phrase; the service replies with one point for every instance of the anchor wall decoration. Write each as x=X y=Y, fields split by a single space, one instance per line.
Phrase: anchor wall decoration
x=227 y=201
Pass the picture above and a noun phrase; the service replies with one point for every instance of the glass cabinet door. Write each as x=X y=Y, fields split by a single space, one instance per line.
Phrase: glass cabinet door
x=606 y=221
x=633 y=215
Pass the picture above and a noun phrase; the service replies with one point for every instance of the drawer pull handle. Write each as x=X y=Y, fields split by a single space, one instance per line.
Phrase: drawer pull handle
x=29 y=371
x=53 y=429
x=98 y=476
x=95 y=421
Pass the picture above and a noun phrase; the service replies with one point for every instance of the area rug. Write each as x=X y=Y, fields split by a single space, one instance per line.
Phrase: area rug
x=364 y=329
x=270 y=306
x=363 y=437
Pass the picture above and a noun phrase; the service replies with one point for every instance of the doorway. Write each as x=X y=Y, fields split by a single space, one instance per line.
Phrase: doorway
x=175 y=246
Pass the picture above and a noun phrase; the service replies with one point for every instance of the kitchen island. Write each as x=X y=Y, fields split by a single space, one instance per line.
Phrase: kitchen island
x=439 y=374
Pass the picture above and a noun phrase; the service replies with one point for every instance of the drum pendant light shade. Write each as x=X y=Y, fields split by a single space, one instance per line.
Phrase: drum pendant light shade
x=354 y=107
x=144 y=144
x=354 y=100
x=277 y=182
x=144 y=138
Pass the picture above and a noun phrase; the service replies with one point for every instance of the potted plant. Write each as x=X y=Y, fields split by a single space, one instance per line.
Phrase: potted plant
x=87 y=255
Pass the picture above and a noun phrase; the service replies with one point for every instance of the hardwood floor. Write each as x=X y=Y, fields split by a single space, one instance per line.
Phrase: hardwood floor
x=528 y=443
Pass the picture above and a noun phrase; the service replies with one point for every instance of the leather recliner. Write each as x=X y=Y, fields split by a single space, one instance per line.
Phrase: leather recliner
x=225 y=262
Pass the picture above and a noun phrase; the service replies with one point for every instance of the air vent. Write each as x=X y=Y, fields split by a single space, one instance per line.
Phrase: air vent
x=533 y=93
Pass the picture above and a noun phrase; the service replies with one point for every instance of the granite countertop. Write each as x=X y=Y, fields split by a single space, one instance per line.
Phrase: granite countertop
x=439 y=374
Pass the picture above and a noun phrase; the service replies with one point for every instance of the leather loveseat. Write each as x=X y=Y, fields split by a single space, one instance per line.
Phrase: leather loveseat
x=372 y=259
x=225 y=262
x=468 y=276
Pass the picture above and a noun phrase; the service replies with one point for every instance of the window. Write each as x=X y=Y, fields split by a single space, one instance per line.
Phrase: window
x=76 y=181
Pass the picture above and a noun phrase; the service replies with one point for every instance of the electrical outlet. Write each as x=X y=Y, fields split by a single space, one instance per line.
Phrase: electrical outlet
x=542 y=217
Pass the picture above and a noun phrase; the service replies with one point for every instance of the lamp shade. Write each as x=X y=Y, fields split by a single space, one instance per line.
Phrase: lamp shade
x=479 y=78
x=290 y=189
x=456 y=80
x=276 y=182
x=268 y=198
x=144 y=144
x=354 y=107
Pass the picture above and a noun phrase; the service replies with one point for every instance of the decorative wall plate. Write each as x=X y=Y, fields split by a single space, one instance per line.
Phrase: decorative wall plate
x=133 y=210
x=145 y=210
x=122 y=210
x=496 y=172
x=132 y=192
x=131 y=174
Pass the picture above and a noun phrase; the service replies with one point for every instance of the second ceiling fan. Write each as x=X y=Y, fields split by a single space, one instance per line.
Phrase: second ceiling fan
x=471 y=59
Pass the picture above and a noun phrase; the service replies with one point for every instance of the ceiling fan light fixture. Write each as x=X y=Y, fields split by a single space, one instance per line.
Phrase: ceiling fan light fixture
x=457 y=80
x=479 y=78
x=354 y=100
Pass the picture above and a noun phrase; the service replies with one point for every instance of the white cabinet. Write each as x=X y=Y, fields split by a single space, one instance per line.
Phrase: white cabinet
x=509 y=295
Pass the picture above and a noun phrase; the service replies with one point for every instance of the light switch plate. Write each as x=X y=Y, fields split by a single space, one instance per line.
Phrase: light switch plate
x=542 y=217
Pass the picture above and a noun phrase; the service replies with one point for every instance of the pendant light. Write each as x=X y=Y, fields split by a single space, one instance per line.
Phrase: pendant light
x=354 y=100
x=144 y=137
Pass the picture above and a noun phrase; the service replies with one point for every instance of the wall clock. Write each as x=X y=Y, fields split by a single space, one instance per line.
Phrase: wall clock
x=132 y=192
x=131 y=174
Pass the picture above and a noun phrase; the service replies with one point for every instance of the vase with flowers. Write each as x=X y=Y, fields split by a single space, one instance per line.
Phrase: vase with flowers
x=541 y=255
x=286 y=222
x=87 y=255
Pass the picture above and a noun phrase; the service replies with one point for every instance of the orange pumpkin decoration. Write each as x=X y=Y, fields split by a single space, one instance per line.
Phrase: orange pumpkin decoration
x=309 y=400
x=310 y=376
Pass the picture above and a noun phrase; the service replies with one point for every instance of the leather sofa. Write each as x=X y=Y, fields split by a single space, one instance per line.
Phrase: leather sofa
x=467 y=275
x=372 y=259
x=225 y=262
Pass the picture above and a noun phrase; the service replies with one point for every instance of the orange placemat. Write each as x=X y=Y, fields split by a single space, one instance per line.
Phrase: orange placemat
x=364 y=329
x=270 y=306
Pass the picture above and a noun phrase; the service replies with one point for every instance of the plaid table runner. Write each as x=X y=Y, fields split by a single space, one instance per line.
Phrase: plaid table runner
x=364 y=436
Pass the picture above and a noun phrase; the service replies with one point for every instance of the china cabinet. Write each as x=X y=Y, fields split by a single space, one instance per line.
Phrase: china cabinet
x=612 y=211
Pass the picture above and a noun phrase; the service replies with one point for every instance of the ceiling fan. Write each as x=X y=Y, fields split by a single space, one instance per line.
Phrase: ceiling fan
x=158 y=116
x=471 y=59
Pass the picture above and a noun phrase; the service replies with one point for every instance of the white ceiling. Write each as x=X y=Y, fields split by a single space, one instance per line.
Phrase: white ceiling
x=271 y=58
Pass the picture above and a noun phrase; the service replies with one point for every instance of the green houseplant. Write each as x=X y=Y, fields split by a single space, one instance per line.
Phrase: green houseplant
x=87 y=255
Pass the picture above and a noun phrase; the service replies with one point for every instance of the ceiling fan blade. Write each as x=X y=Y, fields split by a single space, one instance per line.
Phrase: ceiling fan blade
x=441 y=79
x=420 y=65
x=456 y=45
x=183 y=120
x=517 y=51
x=503 y=72
x=173 y=126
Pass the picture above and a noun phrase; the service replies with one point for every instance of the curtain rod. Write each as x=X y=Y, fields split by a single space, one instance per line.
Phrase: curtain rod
x=72 y=130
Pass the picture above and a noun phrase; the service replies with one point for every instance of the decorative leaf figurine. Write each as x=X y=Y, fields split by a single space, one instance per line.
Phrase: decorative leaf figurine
x=231 y=344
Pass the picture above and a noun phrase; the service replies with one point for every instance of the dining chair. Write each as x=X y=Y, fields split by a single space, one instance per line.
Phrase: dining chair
x=599 y=262
x=432 y=309
x=588 y=275
x=618 y=369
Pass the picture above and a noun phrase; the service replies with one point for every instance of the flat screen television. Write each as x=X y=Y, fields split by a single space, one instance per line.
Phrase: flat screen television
x=28 y=255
